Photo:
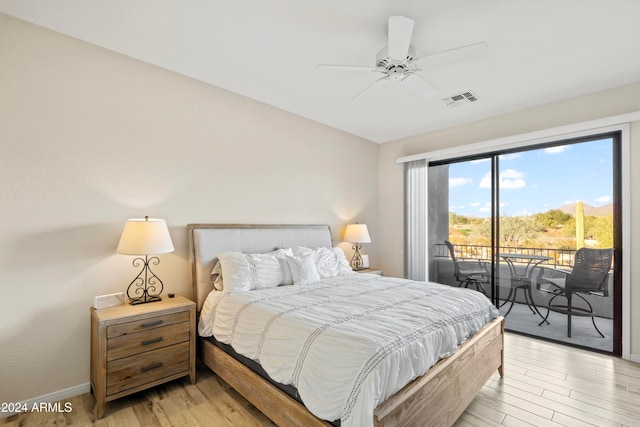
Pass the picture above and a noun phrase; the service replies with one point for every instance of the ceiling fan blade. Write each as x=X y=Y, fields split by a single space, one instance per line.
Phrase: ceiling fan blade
x=400 y=30
x=381 y=79
x=454 y=56
x=420 y=86
x=349 y=67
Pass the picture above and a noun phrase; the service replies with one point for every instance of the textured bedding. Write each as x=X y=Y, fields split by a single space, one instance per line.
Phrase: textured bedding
x=346 y=343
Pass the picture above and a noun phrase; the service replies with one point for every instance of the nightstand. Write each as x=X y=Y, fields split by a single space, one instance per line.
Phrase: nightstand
x=371 y=270
x=134 y=347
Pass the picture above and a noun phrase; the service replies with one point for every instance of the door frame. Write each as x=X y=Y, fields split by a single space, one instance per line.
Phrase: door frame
x=619 y=123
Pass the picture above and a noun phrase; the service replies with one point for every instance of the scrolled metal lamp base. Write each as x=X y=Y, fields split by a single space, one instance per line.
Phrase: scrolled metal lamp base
x=143 y=288
x=356 y=260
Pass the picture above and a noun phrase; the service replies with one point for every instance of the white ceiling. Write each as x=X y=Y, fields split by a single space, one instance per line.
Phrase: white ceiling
x=539 y=51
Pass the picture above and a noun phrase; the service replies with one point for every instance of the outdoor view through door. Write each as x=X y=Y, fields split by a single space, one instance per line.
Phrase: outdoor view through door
x=539 y=230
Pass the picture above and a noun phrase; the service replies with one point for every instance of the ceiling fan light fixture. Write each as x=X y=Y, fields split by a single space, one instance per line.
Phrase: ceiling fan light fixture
x=396 y=72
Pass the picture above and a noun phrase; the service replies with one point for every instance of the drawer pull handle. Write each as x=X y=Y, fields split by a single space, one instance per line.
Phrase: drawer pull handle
x=150 y=324
x=151 y=367
x=151 y=341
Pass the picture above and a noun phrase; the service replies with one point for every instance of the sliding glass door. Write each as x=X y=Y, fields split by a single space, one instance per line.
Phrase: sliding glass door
x=511 y=223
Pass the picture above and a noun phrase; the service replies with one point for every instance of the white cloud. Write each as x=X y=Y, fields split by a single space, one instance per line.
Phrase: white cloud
x=474 y=204
x=511 y=173
x=459 y=182
x=481 y=160
x=510 y=156
x=512 y=184
x=510 y=179
x=485 y=182
x=603 y=199
x=555 y=150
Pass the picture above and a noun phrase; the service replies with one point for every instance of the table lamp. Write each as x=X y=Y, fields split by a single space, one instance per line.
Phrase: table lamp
x=357 y=234
x=145 y=236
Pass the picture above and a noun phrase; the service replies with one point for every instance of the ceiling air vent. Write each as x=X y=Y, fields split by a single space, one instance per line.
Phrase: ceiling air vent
x=460 y=99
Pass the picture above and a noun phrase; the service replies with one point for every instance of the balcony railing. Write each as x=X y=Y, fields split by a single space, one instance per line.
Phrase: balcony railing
x=560 y=258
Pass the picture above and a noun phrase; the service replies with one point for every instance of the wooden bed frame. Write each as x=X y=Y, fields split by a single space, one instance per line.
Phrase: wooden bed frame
x=437 y=398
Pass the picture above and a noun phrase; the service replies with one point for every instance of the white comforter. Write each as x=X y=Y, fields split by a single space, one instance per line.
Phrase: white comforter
x=349 y=342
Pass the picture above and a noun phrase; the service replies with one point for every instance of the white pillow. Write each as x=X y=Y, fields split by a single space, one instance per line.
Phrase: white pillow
x=281 y=255
x=330 y=262
x=303 y=270
x=343 y=265
x=244 y=272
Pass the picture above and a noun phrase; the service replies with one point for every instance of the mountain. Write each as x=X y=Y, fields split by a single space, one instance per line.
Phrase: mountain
x=589 y=210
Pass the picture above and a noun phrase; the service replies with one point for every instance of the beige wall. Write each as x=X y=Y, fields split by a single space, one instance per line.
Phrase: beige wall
x=89 y=138
x=598 y=105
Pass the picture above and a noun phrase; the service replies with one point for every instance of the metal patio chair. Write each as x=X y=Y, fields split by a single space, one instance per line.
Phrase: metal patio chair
x=589 y=276
x=467 y=273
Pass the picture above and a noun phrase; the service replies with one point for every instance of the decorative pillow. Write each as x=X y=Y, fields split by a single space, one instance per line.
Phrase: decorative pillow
x=281 y=255
x=330 y=262
x=303 y=270
x=216 y=276
x=325 y=260
x=343 y=265
x=244 y=272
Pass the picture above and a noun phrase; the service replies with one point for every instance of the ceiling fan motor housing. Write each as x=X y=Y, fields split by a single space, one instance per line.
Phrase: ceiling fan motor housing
x=393 y=68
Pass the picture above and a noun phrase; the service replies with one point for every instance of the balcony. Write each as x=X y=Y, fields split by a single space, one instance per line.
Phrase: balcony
x=521 y=318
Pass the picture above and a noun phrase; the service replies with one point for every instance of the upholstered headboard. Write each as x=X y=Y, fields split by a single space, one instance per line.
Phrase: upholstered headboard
x=207 y=240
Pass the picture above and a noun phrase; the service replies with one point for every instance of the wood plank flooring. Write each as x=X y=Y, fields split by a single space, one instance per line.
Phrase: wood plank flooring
x=545 y=384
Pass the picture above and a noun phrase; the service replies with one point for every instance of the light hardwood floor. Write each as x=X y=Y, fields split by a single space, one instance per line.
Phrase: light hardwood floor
x=544 y=385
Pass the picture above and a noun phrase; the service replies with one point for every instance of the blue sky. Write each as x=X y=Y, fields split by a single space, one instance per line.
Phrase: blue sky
x=535 y=181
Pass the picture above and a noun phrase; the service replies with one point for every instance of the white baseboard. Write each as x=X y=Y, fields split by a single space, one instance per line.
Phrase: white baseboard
x=52 y=397
x=634 y=358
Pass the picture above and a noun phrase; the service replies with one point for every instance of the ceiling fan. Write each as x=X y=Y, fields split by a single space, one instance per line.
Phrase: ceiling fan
x=398 y=61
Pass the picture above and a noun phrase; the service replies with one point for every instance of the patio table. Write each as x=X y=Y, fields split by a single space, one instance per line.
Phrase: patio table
x=522 y=279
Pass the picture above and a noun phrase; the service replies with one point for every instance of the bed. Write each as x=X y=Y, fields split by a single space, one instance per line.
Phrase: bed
x=436 y=397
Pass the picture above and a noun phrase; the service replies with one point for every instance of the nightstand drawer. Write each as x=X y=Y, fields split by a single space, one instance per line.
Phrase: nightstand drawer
x=126 y=345
x=123 y=374
x=147 y=324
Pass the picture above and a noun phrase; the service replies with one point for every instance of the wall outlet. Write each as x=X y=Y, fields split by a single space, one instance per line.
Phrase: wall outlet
x=110 y=300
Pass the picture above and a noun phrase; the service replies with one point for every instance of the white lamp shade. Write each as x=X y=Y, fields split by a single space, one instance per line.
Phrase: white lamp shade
x=145 y=236
x=357 y=233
